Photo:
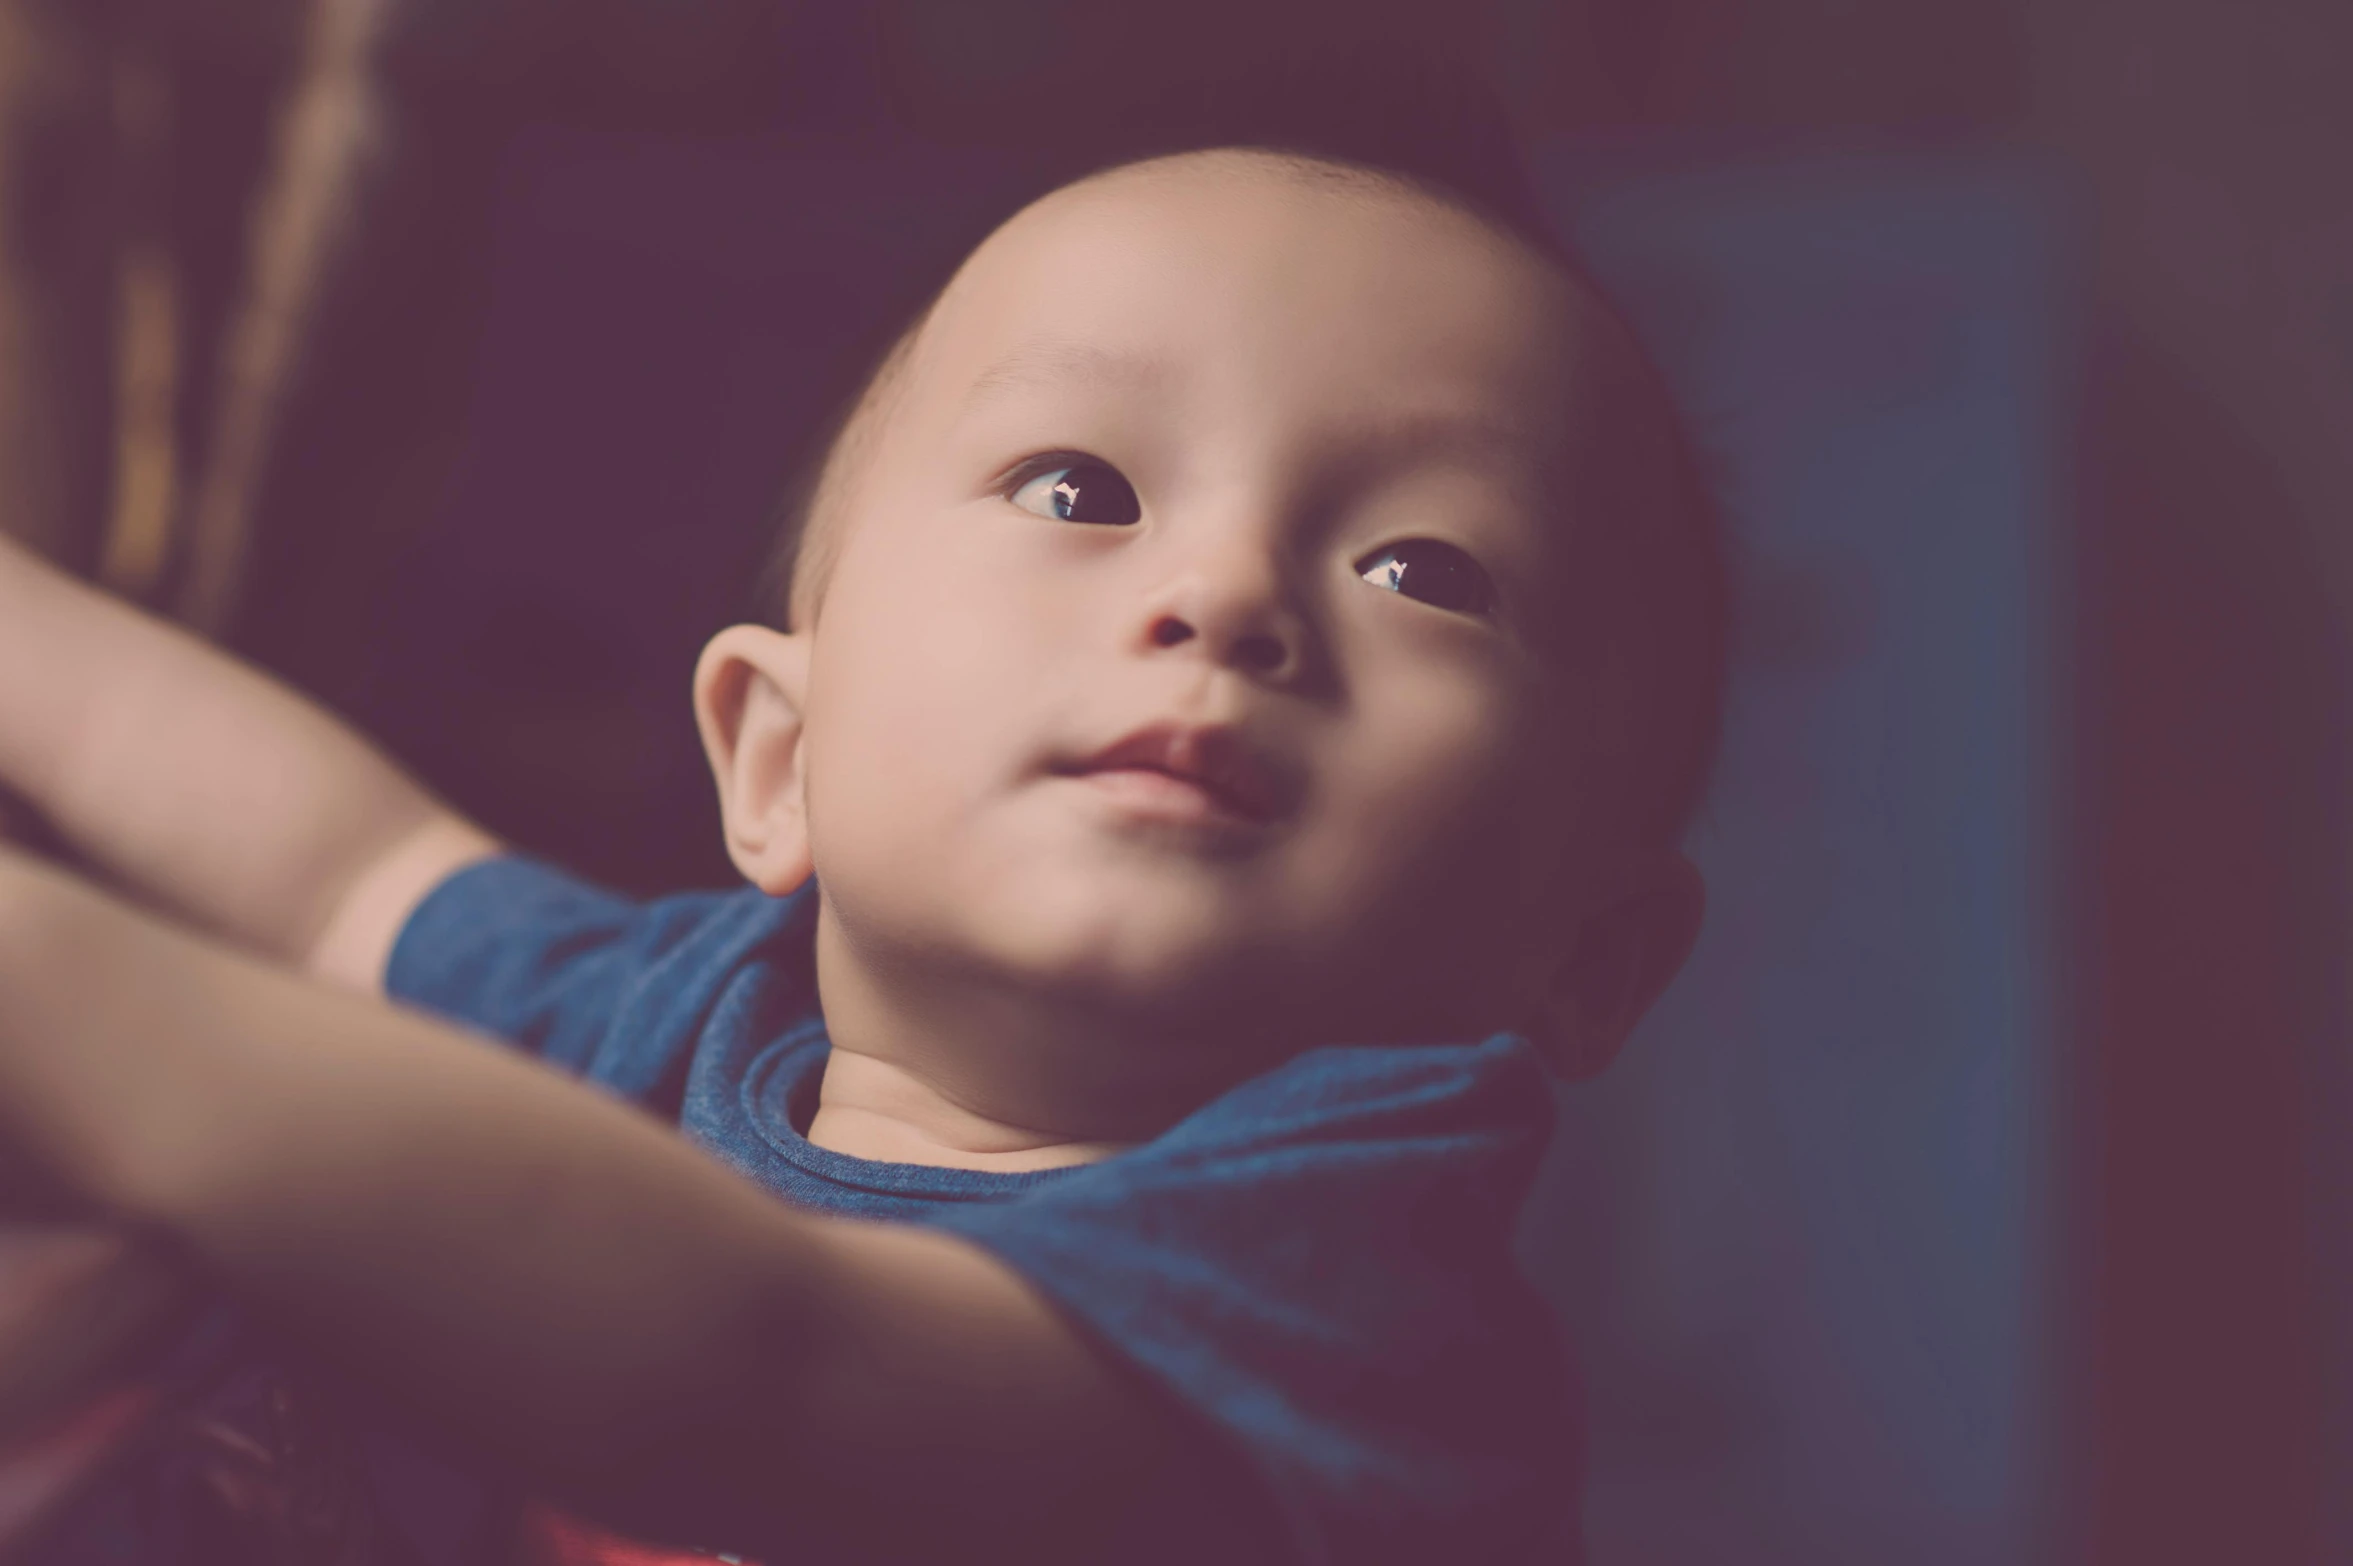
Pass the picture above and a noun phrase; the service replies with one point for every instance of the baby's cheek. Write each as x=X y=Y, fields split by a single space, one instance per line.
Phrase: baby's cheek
x=1443 y=753
x=1429 y=819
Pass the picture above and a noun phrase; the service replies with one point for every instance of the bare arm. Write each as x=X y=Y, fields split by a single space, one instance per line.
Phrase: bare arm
x=569 y=1286
x=207 y=788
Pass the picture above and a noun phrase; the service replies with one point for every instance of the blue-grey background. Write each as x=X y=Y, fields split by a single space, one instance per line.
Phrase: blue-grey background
x=1798 y=1228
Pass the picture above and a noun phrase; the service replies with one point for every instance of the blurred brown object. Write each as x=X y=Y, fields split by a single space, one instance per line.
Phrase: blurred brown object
x=138 y=414
x=329 y=132
x=57 y=232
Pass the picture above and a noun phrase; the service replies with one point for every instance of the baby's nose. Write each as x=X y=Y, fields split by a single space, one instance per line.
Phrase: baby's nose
x=1243 y=619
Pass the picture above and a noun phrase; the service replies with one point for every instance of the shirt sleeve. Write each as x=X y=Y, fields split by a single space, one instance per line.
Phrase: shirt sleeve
x=1320 y=1267
x=601 y=985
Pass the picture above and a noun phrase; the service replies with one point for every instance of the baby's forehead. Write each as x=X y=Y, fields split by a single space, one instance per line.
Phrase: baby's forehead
x=1248 y=263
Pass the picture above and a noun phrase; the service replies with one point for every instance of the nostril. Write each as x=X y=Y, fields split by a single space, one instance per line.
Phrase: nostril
x=1260 y=653
x=1257 y=652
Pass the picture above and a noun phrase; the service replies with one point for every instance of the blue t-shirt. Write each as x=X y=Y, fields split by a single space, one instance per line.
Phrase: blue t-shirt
x=1317 y=1263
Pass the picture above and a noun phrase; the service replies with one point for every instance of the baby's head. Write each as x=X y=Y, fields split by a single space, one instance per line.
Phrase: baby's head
x=1263 y=601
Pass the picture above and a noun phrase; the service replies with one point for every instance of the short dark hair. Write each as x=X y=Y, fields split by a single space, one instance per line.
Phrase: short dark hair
x=1437 y=131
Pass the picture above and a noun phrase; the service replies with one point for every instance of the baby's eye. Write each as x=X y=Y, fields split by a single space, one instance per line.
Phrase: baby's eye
x=1433 y=572
x=1085 y=491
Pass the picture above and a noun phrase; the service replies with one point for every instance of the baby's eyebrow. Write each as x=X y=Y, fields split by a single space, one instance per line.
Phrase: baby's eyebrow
x=1055 y=361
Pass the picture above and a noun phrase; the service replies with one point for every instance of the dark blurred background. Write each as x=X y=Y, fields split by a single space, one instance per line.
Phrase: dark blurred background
x=1984 y=1193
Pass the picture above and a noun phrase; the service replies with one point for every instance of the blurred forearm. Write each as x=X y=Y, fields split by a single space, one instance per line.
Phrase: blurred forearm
x=203 y=785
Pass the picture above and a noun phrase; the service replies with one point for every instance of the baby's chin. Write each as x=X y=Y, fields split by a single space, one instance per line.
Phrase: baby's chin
x=1168 y=951
x=1198 y=976
x=1195 y=952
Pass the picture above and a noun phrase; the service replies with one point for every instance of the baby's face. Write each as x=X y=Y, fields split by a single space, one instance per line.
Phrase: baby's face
x=1182 y=653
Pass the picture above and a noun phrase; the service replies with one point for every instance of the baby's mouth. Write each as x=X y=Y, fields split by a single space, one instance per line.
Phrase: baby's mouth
x=1188 y=772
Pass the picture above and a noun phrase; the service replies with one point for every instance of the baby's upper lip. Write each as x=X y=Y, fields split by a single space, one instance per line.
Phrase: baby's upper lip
x=1216 y=757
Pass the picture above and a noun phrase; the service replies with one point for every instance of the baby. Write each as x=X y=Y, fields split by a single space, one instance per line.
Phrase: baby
x=1248 y=659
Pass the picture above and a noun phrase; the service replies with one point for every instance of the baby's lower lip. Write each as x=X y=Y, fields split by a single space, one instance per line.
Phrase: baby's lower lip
x=1151 y=794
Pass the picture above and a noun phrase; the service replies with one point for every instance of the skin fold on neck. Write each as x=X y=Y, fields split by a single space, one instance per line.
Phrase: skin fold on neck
x=873 y=1108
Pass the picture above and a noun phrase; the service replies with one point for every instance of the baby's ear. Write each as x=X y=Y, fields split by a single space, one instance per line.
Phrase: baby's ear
x=749 y=688
x=1617 y=964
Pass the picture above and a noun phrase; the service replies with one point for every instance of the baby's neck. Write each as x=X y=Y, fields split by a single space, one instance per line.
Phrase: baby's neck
x=870 y=1108
x=942 y=1062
